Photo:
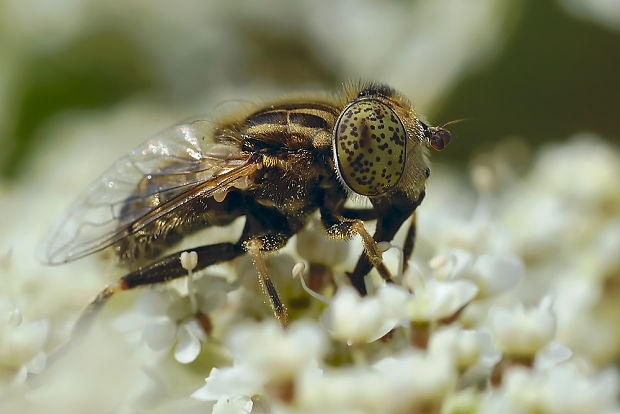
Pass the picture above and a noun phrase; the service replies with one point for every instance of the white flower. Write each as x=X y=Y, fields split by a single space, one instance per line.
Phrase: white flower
x=356 y=320
x=299 y=370
x=523 y=332
x=417 y=379
x=275 y=352
x=497 y=273
x=393 y=299
x=230 y=382
x=577 y=297
x=355 y=389
x=536 y=234
x=234 y=405
x=452 y=264
x=461 y=402
x=161 y=333
x=560 y=207
x=395 y=384
x=264 y=354
x=493 y=273
x=600 y=170
x=561 y=389
x=550 y=355
x=164 y=320
x=210 y=291
x=21 y=342
x=190 y=336
x=438 y=299
x=314 y=246
x=467 y=347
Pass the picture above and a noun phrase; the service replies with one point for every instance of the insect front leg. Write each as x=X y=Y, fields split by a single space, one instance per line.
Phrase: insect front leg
x=391 y=214
x=364 y=214
x=409 y=241
x=343 y=228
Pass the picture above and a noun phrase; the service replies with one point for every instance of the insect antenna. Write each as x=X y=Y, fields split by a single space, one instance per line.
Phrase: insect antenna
x=455 y=121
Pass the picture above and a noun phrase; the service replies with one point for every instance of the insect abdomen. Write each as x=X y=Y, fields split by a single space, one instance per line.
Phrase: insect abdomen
x=289 y=125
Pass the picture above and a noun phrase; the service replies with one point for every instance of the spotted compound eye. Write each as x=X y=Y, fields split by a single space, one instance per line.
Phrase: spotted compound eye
x=369 y=147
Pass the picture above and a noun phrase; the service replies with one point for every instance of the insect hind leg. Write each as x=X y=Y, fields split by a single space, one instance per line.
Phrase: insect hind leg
x=170 y=267
x=166 y=269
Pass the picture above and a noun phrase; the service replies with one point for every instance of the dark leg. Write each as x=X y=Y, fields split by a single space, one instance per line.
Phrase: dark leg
x=364 y=214
x=265 y=230
x=254 y=248
x=341 y=228
x=165 y=269
x=391 y=215
x=409 y=242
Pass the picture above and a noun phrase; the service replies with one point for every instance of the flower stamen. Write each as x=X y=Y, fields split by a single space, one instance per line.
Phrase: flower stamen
x=189 y=261
x=298 y=272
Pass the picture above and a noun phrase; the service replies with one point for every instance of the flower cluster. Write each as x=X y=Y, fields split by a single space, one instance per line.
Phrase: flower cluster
x=509 y=304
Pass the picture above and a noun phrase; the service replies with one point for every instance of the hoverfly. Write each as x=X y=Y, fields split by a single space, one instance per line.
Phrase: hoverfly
x=274 y=165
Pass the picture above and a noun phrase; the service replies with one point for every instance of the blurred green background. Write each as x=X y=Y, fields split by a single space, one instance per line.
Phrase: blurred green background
x=532 y=69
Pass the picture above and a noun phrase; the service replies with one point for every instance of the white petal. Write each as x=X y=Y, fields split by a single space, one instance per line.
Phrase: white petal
x=393 y=260
x=552 y=354
x=561 y=389
x=20 y=344
x=315 y=247
x=523 y=332
x=278 y=353
x=160 y=333
x=38 y=363
x=393 y=299
x=416 y=377
x=445 y=298
x=498 y=273
x=194 y=328
x=352 y=318
x=152 y=302
x=460 y=260
x=463 y=345
x=211 y=292
x=224 y=382
x=490 y=355
x=233 y=405
x=343 y=390
x=20 y=377
x=189 y=337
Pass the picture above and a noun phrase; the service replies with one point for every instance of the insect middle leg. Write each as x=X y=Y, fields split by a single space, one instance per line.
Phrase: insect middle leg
x=267 y=230
x=254 y=248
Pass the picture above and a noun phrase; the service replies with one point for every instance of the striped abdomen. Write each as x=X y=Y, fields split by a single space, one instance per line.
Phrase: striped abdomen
x=289 y=125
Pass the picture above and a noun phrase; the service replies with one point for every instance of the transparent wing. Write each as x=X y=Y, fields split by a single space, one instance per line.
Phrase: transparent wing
x=174 y=167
